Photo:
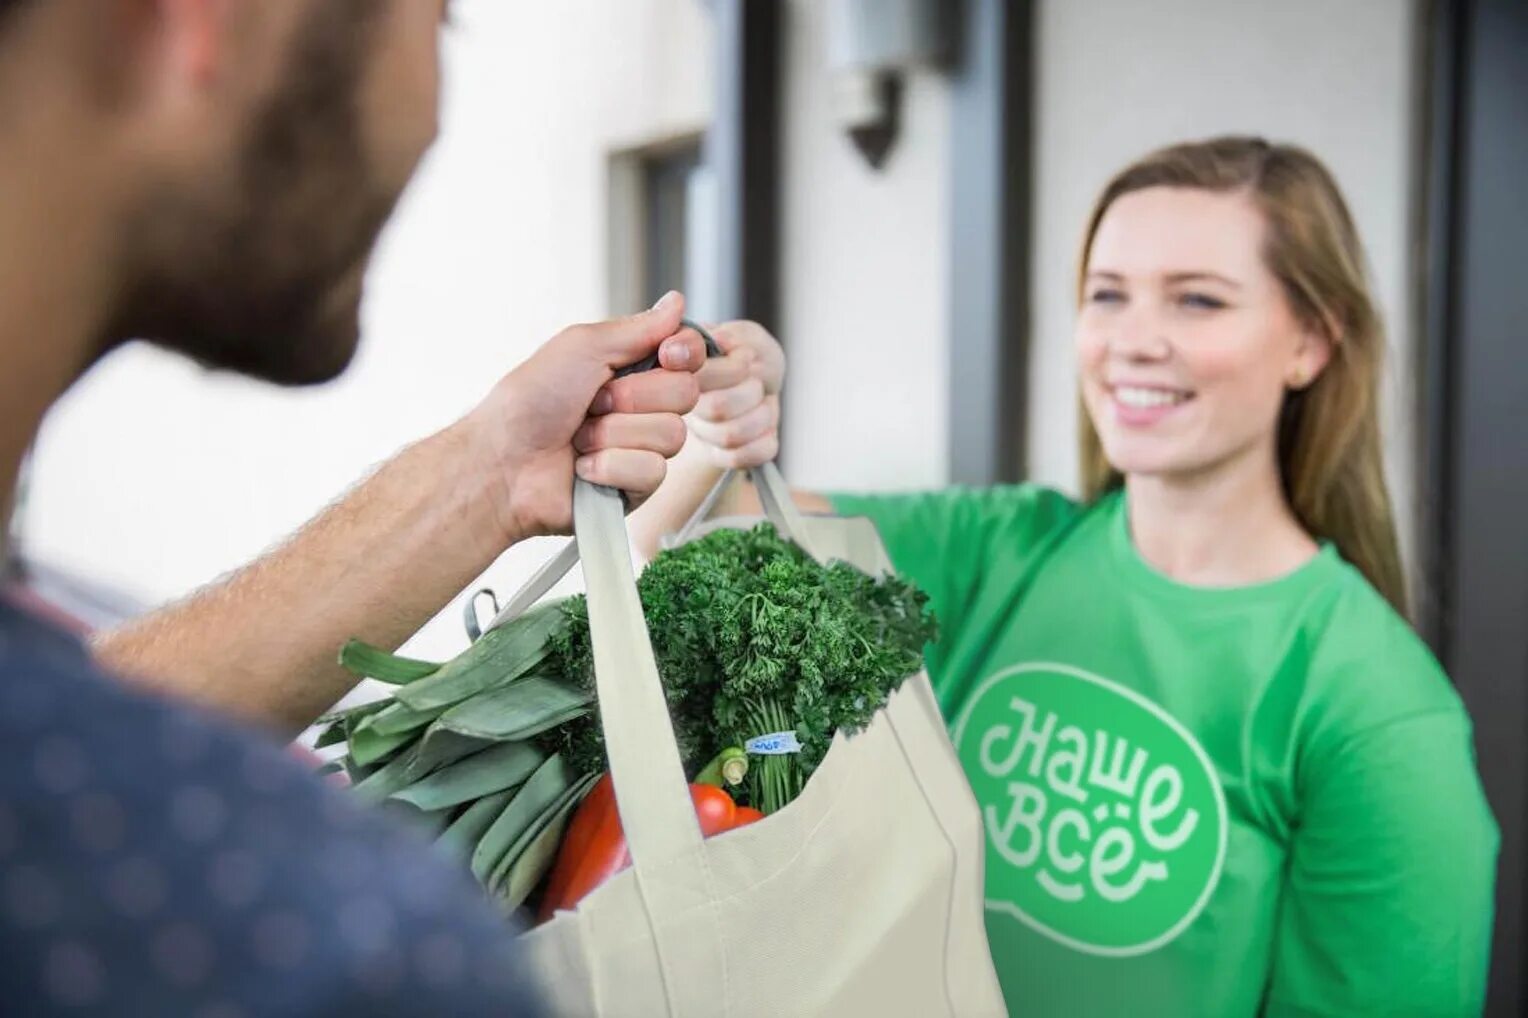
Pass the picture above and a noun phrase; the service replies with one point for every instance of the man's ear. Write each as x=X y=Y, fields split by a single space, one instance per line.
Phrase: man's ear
x=184 y=43
x=187 y=67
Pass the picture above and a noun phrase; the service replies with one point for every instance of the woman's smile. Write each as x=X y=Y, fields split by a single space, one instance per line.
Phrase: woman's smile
x=1137 y=405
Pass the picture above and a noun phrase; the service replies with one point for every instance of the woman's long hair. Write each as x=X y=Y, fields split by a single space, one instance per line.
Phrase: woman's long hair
x=1329 y=450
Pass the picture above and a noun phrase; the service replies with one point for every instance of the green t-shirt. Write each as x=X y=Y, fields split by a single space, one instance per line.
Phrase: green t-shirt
x=1220 y=802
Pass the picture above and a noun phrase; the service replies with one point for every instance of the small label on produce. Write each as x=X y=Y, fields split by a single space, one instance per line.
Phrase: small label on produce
x=774 y=744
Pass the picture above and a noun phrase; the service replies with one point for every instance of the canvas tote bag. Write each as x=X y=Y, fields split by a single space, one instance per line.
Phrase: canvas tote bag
x=861 y=897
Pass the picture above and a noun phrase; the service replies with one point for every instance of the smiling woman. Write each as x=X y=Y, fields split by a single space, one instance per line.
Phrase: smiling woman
x=1226 y=320
x=1219 y=773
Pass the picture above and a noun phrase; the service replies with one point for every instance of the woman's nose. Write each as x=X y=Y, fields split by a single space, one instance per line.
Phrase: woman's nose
x=1139 y=335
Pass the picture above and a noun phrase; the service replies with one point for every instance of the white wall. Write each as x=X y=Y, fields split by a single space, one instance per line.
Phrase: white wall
x=1117 y=78
x=865 y=318
x=157 y=478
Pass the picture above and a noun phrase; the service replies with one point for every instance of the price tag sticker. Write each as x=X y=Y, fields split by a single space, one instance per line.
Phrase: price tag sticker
x=773 y=744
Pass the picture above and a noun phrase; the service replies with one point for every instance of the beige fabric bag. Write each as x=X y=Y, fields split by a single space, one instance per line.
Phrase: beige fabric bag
x=862 y=897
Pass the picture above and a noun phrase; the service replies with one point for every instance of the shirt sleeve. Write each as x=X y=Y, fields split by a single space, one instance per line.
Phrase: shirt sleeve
x=1388 y=906
x=942 y=540
x=158 y=861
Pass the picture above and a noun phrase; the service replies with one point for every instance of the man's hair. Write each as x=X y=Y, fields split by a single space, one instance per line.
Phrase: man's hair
x=8 y=10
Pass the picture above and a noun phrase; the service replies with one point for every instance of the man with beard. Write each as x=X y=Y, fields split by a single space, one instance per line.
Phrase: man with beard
x=210 y=176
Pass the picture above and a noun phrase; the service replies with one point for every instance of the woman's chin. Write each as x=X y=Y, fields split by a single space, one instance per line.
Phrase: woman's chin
x=1156 y=464
x=1134 y=456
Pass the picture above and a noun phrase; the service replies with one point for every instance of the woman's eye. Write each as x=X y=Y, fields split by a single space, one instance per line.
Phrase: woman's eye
x=1106 y=296
x=1201 y=302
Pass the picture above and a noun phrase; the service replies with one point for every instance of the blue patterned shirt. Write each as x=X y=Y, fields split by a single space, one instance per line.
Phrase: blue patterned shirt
x=156 y=861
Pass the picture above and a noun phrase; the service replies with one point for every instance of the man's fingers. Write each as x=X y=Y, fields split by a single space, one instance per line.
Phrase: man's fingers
x=683 y=352
x=741 y=430
x=634 y=471
x=725 y=404
x=624 y=341
x=651 y=392
x=661 y=433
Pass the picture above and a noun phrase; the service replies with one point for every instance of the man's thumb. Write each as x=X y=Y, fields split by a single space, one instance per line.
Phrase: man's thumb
x=628 y=340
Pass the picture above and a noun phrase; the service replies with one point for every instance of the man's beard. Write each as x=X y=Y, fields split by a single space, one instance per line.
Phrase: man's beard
x=261 y=274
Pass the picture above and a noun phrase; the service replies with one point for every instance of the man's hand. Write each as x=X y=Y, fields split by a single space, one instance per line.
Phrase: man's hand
x=563 y=411
x=380 y=562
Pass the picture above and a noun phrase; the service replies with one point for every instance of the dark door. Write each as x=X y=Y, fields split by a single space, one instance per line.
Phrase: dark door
x=1475 y=389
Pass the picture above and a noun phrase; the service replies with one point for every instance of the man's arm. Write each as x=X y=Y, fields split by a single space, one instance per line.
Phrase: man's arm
x=263 y=643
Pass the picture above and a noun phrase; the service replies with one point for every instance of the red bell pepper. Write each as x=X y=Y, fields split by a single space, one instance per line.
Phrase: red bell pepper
x=594 y=847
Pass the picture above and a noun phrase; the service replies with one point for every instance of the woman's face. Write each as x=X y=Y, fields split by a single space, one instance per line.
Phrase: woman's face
x=1186 y=343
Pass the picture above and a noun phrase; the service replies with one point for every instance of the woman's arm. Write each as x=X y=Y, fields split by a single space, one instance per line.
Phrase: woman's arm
x=1389 y=899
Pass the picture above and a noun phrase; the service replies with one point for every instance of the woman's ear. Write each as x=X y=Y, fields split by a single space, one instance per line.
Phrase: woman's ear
x=1311 y=358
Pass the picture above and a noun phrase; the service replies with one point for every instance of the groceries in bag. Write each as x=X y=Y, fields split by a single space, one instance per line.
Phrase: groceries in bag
x=764 y=653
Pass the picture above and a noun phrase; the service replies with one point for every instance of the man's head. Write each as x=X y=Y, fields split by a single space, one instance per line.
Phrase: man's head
x=260 y=146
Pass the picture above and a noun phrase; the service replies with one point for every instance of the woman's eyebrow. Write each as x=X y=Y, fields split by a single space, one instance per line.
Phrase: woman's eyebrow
x=1174 y=278
x=1201 y=276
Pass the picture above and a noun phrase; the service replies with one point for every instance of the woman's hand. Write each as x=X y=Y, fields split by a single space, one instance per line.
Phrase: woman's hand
x=736 y=423
x=734 y=426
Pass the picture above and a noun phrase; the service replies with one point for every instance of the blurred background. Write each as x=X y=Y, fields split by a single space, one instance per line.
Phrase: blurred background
x=897 y=188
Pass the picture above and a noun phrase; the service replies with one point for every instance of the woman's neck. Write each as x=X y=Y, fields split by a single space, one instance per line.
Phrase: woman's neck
x=1229 y=526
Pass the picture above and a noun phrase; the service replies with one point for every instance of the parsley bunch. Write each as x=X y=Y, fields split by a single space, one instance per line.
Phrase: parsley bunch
x=753 y=637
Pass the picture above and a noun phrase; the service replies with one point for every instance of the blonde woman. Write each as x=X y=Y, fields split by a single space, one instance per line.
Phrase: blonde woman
x=1219 y=773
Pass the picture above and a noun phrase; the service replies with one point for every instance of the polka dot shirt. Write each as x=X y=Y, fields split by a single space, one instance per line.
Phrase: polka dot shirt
x=154 y=861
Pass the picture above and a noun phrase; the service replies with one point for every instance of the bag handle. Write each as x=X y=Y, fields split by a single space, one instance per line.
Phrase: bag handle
x=657 y=815
x=559 y=565
x=780 y=507
x=639 y=733
x=651 y=791
x=652 y=794
x=774 y=495
x=654 y=799
x=634 y=710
